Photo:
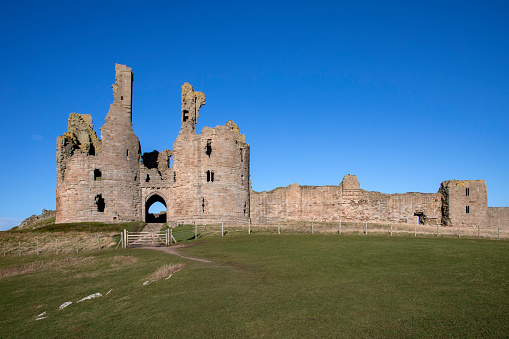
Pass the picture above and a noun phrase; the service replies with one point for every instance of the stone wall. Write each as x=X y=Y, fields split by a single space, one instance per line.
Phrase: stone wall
x=45 y=215
x=498 y=217
x=346 y=202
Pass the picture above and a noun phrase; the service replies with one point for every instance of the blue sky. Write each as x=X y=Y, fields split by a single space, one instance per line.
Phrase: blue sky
x=402 y=94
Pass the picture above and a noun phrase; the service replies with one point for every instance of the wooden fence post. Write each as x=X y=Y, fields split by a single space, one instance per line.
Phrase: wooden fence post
x=195 y=230
x=171 y=234
x=249 y=226
x=77 y=250
x=415 y=230
x=222 y=229
x=313 y=226
x=99 y=241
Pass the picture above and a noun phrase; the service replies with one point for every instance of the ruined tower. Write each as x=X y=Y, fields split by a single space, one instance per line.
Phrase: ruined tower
x=98 y=180
x=211 y=169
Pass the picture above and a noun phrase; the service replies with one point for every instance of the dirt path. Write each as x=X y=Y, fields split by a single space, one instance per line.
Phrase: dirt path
x=173 y=250
x=155 y=227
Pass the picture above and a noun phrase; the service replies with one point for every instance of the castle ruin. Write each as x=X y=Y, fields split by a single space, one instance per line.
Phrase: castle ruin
x=205 y=179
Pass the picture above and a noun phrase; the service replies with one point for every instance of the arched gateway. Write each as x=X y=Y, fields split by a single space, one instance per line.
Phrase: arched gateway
x=154 y=217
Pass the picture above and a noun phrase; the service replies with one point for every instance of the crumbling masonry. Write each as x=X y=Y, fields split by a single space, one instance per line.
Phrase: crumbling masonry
x=205 y=179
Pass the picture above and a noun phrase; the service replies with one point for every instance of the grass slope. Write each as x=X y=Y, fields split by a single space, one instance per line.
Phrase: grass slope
x=269 y=286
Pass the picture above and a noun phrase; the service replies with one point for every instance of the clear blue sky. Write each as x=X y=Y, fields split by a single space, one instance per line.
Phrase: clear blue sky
x=403 y=94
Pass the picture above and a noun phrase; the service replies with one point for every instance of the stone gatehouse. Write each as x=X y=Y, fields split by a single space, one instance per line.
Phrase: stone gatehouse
x=205 y=179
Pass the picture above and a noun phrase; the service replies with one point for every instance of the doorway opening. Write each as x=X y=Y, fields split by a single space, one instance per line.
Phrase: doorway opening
x=155 y=209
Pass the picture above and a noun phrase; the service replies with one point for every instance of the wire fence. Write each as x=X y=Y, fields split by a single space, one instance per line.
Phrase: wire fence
x=191 y=232
x=58 y=245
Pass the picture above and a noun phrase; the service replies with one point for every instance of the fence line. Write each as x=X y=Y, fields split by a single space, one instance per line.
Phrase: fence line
x=190 y=232
x=61 y=245
x=341 y=227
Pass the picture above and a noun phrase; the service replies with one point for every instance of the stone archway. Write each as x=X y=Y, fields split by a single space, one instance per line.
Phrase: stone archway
x=154 y=217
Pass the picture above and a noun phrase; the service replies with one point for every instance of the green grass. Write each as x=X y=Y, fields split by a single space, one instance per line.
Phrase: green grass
x=270 y=286
x=89 y=227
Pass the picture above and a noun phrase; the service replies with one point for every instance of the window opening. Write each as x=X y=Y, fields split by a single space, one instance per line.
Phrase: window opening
x=121 y=97
x=242 y=179
x=135 y=177
x=245 y=208
x=203 y=205
x=91 y=150
x=99 y=201
x=241 y=155
x=97 y=175
x=127 y=154
x=467 y=209
x=467 y=192
x=185 y=115
x=208 y=176
x=208 y=149
x=212 y=176
x=147 y=179
x=174 y=176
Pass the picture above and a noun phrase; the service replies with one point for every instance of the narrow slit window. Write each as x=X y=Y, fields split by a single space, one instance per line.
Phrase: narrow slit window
x=212 y=176
x=467 y=192
x=127 y=154
x=97 y=175
x=241 y=155
x=121 y=97
x=185 y=115
x=467 y=209
x=174 y=176
x=208 y=176
x=245 y=208
x=208 y=148
x=203 y=205
x=147 y=179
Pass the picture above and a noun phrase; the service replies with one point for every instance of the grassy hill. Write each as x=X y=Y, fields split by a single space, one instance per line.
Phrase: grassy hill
x=259 y=285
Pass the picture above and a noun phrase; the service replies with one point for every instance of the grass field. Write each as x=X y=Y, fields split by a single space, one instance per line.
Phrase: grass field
x=267 y=286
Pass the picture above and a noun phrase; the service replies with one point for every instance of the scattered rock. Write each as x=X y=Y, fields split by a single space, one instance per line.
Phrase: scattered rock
x=64 y=305
x=92 y=296
x=41 y=316
x=146 y=282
